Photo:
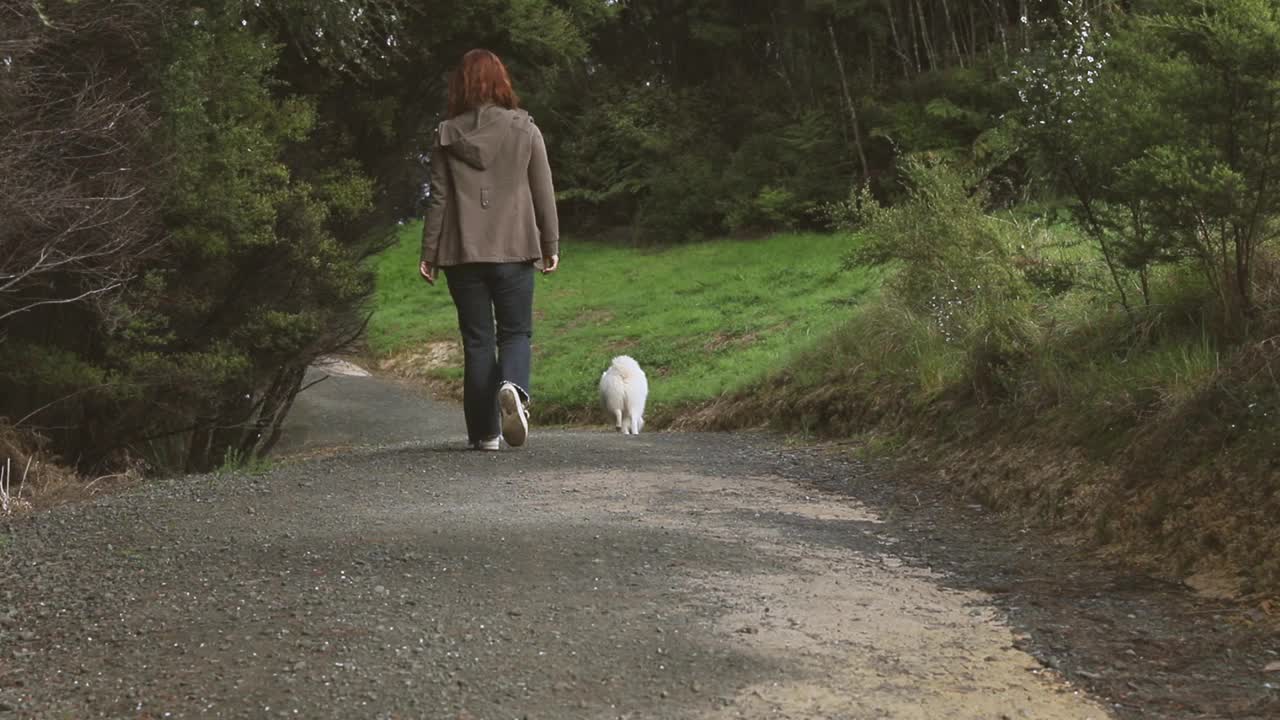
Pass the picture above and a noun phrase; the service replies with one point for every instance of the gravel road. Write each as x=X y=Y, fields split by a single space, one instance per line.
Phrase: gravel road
x=380 y=571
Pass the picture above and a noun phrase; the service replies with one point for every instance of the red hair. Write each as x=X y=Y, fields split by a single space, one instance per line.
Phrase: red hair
x=479 y=80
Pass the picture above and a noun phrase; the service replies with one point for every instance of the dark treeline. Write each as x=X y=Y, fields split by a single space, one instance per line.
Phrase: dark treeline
x=188 y=191
x=700 y=117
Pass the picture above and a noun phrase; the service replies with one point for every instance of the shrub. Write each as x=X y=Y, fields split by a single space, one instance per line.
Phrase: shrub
x=773 y=208
x=953 y=262
x=169 y=280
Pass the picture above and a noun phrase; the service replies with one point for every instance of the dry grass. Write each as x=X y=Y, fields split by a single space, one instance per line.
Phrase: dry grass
x=12 y=502
x=32 y=481
x=434 y=364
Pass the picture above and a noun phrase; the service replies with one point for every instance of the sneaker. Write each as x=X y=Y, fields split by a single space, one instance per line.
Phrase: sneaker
x=491 y=444
x=515 y=418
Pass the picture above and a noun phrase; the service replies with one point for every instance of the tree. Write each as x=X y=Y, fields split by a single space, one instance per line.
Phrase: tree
x=1166 y=136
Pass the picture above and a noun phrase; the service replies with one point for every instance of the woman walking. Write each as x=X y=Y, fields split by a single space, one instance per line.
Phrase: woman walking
x=491 y=216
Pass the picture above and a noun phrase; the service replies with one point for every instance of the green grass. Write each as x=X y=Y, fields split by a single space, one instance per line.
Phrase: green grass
x=701 y=319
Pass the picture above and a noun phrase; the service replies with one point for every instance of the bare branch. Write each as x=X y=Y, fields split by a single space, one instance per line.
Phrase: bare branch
x=61 y=301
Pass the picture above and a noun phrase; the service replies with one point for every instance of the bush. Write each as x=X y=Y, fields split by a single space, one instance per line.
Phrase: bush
x=772 y=208
x=954 y=265
x=181 y=302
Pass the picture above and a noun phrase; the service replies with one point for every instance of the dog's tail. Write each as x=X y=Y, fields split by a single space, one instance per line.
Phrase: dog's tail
x=627 y=367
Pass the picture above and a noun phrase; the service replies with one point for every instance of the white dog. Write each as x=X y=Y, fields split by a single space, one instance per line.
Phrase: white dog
x=623 y=391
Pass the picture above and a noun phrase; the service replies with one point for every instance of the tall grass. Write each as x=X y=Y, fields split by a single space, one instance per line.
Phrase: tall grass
x=703 y=320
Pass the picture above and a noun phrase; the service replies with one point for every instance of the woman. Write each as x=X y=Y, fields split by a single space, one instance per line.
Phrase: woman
x=491 y=216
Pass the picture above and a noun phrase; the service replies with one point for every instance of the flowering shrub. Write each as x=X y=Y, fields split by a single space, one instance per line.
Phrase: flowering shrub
x=955 y=266
x=1053 y=83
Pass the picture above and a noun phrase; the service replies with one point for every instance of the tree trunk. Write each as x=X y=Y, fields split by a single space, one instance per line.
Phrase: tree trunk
x=1024 y=23
x=955 y=41
x=897 y=40
x=871 y=64
x=915 y=44
x=290 y=393
x=784 y=57
x=929 y=52
x=198 y=447
x=848 y=99
x=274 y=397
x=1001 y=20
x=973 y=36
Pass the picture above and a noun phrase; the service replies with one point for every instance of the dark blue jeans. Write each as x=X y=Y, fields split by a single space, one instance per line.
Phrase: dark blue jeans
x=493 y=352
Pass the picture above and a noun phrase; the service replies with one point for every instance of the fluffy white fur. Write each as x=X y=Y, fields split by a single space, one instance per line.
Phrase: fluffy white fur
x=623 y=391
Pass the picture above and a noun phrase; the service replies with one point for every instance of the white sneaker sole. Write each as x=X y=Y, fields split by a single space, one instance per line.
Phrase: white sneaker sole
x=515 y=426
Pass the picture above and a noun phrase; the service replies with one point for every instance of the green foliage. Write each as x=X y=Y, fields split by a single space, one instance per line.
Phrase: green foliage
x=778 y=178
x=243 y=278
x=1066 y=359
x=257 y=280
x=51 y=369
x=954 y=263
x=951 y=113
x=1165 y=136
x=772 y=207
x=649 y=159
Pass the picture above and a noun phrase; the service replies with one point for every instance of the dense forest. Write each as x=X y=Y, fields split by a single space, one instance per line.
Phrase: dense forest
x=189 y=192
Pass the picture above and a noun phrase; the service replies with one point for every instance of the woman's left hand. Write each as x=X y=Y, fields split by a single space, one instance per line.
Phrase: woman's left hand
x=428 y=272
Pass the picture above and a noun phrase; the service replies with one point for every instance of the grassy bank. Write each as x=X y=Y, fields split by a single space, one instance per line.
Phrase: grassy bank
x=1001 y=358
x=703 y=320
x=1163 y=450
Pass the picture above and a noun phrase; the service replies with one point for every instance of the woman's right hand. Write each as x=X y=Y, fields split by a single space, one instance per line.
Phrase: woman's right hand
x=427 y=271
x=550 y=264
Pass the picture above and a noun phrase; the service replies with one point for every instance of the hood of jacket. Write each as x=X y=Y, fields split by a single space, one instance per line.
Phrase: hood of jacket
x=475 y=137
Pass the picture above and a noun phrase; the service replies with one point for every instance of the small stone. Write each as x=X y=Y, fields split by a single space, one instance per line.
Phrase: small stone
x=1272 y=667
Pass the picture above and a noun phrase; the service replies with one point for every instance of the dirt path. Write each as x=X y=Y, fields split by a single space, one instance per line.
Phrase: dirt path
x=587 y=576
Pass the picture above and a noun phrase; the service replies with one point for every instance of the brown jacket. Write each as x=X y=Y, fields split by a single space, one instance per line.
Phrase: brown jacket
x=491 y=194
